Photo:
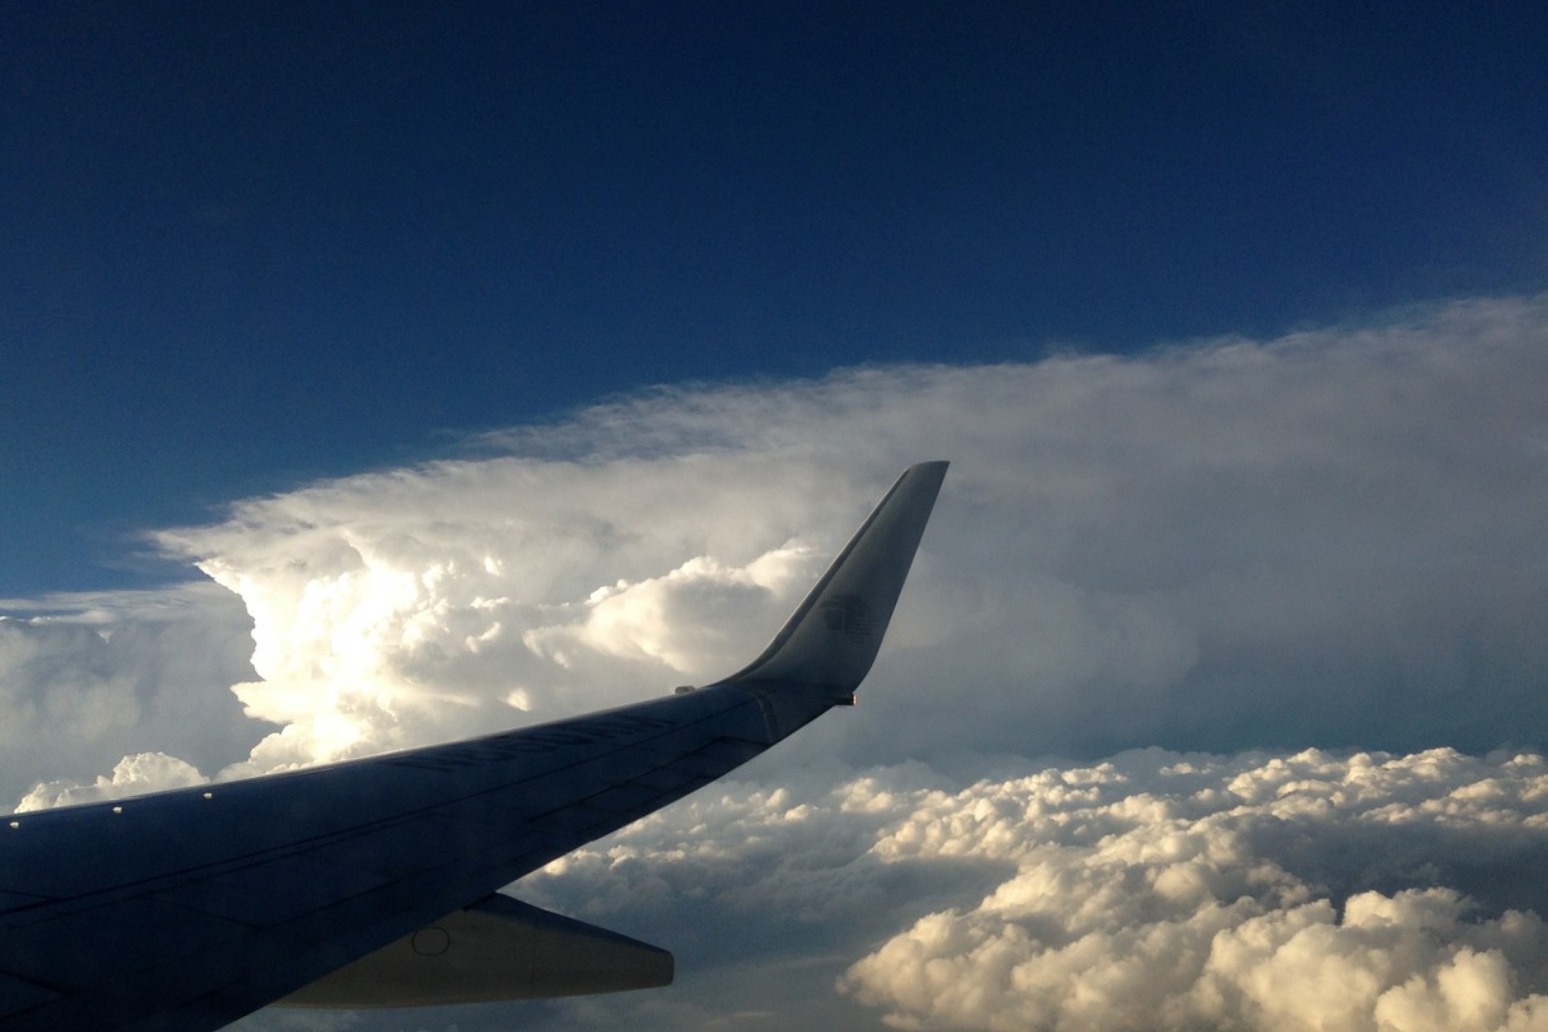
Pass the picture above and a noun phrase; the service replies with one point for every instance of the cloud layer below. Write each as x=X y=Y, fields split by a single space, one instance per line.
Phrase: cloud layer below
x=1153 y=890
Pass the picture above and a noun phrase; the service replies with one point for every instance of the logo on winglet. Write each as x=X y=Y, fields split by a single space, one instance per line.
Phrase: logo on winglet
x=850 y=614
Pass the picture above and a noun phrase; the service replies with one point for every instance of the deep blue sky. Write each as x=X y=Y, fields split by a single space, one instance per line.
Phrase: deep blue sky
x=242 y=245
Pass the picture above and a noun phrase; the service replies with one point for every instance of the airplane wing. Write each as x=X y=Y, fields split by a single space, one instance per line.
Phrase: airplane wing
x=372 y=882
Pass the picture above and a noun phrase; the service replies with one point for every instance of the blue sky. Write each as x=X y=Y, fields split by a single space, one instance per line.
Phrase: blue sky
x=248 y=245
x=381 y=374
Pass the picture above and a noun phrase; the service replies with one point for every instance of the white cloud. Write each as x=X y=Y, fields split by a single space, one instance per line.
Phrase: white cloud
x=89 y=680
x=683 y=618
x=1147 y=893
x=1347 y=520
x=1154 y=890
x=134 y=775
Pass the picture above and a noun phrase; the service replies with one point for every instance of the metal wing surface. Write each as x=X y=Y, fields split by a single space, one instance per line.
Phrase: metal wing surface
x=183 y=911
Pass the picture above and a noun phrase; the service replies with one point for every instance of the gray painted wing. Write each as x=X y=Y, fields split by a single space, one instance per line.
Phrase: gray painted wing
x=186 y=910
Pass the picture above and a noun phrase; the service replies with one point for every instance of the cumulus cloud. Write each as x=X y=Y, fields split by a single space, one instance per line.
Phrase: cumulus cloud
x=1332 y=537
x=133 y=775
x=1153 y=890
x=90 y=682
x=1149 y=893
x=380 y=621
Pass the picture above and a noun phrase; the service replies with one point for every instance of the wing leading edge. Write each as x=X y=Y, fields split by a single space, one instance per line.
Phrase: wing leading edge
x=182 y=911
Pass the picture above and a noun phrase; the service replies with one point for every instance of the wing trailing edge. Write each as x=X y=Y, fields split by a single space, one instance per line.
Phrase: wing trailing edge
x=497 y=949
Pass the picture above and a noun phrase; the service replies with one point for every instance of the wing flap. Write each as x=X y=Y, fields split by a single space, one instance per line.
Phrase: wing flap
x=497 y=949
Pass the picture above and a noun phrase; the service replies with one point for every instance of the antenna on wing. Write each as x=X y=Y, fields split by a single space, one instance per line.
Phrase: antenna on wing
x=833 y=636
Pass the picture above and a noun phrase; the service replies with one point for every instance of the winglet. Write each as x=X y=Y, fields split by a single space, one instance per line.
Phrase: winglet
x=833 y=636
